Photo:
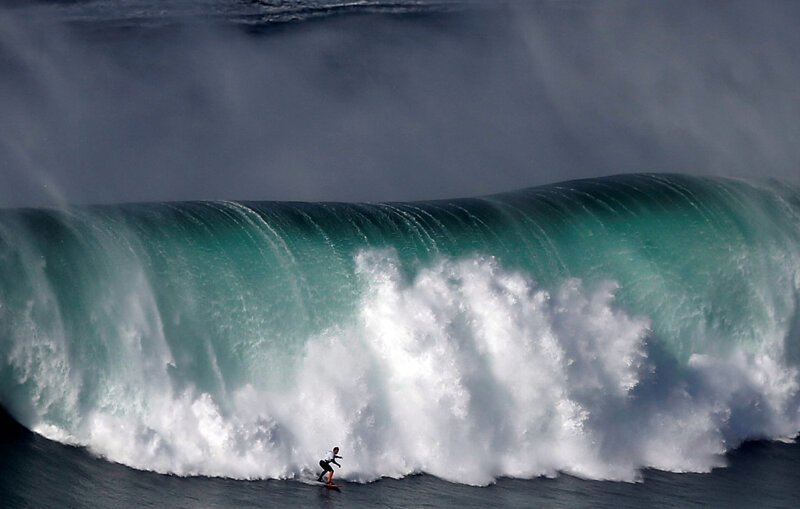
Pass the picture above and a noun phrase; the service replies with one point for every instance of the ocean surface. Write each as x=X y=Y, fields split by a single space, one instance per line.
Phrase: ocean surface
x=40 y=473
x=611 y=341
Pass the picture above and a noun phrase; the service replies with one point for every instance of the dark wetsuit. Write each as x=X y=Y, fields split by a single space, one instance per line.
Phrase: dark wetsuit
x=326 y=467
x=326 y=464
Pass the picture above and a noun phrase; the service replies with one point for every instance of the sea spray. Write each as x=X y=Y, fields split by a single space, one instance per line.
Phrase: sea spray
x=594 y=327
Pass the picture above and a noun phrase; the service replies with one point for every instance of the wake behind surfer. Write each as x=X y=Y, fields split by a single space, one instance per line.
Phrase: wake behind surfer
x=325 y=463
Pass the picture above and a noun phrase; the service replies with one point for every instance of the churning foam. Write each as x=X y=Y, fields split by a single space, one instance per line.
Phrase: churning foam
x=466 y=371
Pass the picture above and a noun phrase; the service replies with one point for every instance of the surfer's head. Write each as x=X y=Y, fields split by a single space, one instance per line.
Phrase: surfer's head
x=335 y=450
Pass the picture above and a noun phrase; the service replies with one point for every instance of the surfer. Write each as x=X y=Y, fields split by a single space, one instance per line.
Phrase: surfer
x=325 y=463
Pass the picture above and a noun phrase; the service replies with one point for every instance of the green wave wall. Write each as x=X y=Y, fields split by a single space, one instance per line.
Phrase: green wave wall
x=221 y=295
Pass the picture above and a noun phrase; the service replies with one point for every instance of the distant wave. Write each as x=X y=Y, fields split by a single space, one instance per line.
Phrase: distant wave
x=594 y=327
x=149 y=13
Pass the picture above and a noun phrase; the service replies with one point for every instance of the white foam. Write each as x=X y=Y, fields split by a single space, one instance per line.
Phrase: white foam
x=467 y=372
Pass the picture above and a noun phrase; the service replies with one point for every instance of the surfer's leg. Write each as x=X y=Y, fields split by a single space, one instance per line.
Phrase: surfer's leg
x=330 y=476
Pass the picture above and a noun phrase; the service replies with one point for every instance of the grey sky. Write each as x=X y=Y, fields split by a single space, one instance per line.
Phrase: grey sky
x=394 y=107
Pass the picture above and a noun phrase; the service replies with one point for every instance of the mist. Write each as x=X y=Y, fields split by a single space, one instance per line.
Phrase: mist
x=389 y=104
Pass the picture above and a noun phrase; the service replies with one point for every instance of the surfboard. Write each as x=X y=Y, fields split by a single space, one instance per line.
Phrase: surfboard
x=326 y=485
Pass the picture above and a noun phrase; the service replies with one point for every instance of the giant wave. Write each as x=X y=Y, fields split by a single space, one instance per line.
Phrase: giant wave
x=594 y=327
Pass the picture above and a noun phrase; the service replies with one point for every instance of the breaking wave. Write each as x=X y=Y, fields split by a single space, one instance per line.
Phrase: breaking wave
x=594 y=327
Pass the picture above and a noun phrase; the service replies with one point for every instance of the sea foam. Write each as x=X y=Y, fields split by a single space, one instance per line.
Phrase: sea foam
x=596 y=328
x=468 y=372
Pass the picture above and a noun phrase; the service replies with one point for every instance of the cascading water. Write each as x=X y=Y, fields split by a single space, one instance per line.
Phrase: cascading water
x=594 y=327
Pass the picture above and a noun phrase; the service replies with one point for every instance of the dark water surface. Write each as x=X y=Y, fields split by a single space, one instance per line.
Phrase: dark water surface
x=35 y=472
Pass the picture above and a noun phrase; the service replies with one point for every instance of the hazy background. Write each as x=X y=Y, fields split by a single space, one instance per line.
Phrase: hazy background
x=111 y=101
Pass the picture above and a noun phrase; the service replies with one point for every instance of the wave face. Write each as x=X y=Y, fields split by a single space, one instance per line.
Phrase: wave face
x=594 y=327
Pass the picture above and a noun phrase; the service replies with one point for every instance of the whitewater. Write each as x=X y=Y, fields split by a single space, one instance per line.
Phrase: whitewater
x=594 y=327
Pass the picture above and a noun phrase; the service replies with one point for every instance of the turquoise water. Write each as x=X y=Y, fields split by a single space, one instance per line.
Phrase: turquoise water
x=606 y=325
